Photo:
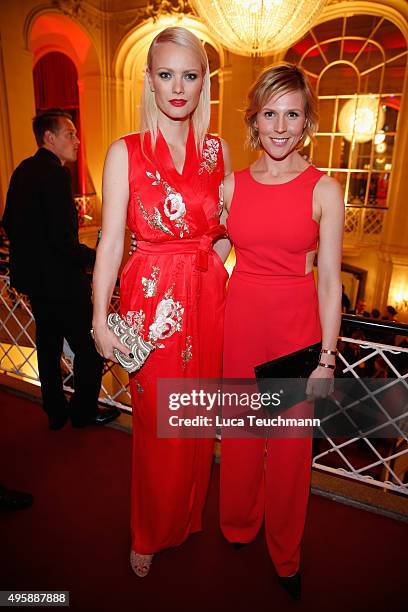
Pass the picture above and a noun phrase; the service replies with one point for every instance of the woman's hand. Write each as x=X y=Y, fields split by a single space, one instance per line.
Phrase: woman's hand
x=105 y=341
x=320 y=383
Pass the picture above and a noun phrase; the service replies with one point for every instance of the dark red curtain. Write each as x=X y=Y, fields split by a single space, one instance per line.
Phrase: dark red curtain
x=56 y=85
x=55 y=82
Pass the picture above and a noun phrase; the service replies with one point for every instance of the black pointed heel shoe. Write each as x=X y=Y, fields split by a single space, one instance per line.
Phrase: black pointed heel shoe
x=292 y=585
x=239 y=545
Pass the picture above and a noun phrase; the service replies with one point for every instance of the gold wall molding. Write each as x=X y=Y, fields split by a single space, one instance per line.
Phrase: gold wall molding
x=158 y=8
x=6 y=167
x=395 y=11
x=153 y=10
x=80 y=11
x=73 y=8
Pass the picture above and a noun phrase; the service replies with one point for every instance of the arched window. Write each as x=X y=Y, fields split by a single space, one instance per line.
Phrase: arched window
x=214 y=64
x=357 y=65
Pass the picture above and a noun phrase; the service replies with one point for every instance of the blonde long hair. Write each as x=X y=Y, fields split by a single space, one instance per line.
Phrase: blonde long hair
x=148 y=108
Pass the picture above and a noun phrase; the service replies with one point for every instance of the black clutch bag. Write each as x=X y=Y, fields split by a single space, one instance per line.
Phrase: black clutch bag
x=287 y=376
x=299 y=364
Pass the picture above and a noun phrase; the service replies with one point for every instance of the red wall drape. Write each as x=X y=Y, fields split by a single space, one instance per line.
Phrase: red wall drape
x=55 y=82
x=56 y=85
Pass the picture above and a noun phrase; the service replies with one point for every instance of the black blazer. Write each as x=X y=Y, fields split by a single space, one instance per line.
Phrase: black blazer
x=40 y=219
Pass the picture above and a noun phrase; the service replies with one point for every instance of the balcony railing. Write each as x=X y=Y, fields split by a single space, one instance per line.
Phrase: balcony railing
x=87 y=209
x=367 y=351
x=363 y=224
x=379 y=461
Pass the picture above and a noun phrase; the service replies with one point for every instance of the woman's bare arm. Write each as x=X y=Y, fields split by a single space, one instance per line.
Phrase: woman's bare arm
x=115 y=192
x=223 y=246
x=328 y=196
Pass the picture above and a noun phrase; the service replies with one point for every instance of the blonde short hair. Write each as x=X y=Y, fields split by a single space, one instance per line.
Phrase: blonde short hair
x=148 y=110
x=274 y=80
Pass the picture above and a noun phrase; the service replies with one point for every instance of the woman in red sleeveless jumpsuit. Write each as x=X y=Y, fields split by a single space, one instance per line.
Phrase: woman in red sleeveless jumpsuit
x=173 y=286
x=276 y=209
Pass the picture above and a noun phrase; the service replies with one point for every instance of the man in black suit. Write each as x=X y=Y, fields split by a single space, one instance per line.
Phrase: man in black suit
x=48 y=263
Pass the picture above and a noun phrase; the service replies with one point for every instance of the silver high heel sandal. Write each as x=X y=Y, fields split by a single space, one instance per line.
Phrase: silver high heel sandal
x=140 y=564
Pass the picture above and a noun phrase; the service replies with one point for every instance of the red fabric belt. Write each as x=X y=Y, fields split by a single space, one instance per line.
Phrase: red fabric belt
x=201 y=246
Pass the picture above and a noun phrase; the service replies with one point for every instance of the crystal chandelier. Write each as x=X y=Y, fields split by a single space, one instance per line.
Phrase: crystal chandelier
x=258 y=27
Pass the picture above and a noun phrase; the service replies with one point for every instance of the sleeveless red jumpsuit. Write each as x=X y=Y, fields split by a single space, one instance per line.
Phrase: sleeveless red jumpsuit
x=176 y=273
x=271 y=310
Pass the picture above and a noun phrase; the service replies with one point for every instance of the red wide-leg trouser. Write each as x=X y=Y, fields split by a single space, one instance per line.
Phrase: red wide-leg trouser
x=271 y=478
x=267 y=317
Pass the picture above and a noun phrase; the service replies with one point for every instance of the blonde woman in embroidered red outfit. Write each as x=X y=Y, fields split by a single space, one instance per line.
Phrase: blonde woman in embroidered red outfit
x=166 y=181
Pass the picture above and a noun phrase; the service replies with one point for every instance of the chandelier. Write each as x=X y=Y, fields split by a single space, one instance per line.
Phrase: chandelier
x=361 y=118
x=258 y=27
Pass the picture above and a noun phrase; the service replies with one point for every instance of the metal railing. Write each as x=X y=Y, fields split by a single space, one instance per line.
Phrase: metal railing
x=372 y=459
x=87 y=209
x=18 y=355
x=382 y=462
x=364 y=224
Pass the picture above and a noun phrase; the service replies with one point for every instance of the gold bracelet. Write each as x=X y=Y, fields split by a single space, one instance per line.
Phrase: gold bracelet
x=329 y=351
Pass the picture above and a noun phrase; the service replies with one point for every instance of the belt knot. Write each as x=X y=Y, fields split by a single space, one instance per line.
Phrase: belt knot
x=206 y=243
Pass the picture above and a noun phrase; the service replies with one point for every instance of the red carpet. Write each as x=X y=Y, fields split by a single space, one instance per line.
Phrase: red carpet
x=75 y=537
